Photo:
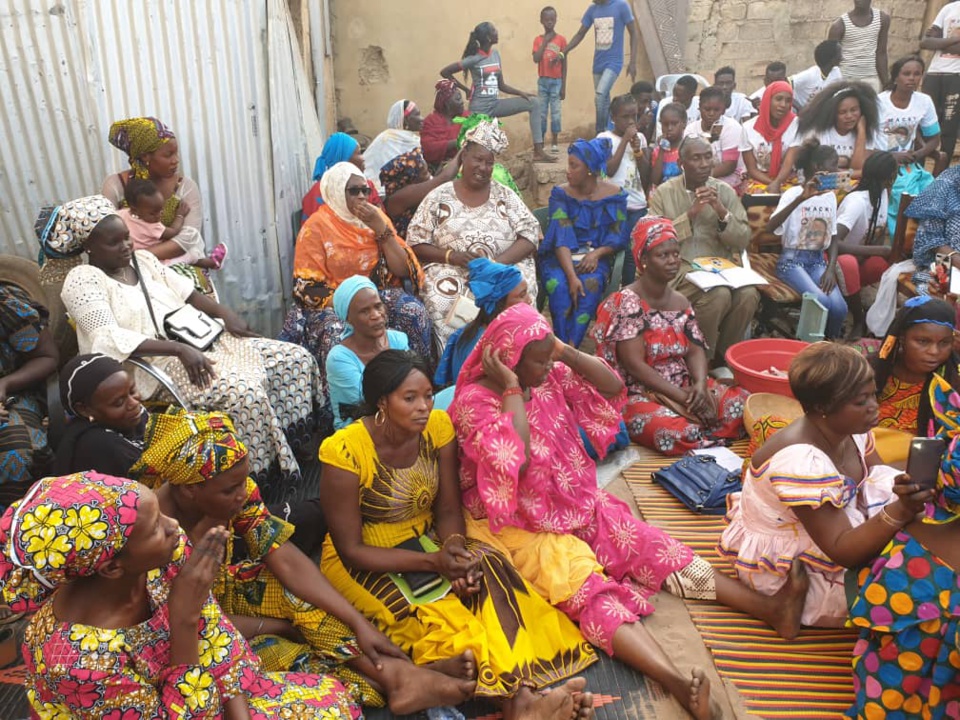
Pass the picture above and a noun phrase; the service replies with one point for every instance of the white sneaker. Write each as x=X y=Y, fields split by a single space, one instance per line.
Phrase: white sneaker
x=555 y=149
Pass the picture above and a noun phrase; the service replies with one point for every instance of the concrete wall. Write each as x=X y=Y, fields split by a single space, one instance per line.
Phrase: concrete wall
x=748 y=35
x=385 y=51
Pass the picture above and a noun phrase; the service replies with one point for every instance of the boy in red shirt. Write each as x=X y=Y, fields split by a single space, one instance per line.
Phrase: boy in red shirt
x=548 y=54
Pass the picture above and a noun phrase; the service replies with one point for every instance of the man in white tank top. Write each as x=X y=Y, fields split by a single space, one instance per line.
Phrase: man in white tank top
x=863 y=34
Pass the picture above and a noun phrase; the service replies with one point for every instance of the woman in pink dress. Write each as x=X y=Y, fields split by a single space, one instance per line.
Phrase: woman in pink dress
x=530 y=490
x=817 y=494
x=649 y=333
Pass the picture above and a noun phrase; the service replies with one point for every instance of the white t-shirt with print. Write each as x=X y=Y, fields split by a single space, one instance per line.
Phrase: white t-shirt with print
x=948 y=20
x=740 y=107
x=626 y=175
x=762 y=148
x=812 y=224
x=898 y=127
x=844 y=144
x=855 y=212
x=808 y=83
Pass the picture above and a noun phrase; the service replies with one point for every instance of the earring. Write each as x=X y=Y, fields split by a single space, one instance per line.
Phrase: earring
x=380 y=418
x=91 y=419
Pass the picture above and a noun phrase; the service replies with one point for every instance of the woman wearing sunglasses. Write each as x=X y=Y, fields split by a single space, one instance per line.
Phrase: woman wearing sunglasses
x=348 y=236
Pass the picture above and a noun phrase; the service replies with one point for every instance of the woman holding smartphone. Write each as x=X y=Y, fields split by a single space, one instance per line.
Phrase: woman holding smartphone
x=918 y=348
x=817 y=493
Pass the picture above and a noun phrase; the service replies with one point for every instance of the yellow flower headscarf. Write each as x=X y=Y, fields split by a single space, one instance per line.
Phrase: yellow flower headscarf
x=187 y=448
x=64 y=528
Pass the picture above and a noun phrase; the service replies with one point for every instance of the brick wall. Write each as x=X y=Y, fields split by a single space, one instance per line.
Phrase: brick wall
x=748 y=35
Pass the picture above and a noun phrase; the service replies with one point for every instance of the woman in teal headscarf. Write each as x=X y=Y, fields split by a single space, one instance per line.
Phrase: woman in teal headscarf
x=587 y=228
x=357 y=304
x=339 y=147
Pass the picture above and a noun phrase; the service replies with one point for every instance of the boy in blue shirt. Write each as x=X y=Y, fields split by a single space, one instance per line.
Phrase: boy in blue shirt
x=609 y=18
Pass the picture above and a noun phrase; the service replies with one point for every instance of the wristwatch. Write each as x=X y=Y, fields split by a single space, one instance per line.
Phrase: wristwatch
x=722 y=222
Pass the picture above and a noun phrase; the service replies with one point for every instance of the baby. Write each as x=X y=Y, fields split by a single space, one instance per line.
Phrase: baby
x=171 y=244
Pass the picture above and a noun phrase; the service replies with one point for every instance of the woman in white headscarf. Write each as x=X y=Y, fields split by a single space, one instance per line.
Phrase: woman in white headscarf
x=348 y=236
x=467 y=218
x=401 y=136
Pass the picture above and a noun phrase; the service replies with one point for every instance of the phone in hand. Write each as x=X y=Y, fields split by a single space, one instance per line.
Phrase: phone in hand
x=923 y=462
x=841 y=180
x=715 y=131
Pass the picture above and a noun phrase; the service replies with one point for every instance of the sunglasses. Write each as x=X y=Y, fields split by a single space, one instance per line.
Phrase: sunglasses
x=358 y=190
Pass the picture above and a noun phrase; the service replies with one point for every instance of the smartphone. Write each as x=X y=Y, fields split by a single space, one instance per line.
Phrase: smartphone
x=715 y=131
x=10 y=401
x=842 y=180
x=923 y=462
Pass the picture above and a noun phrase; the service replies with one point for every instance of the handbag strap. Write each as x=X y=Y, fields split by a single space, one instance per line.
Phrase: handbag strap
x=146 y=296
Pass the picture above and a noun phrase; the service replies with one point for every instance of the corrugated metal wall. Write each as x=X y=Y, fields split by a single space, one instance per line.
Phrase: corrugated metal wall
x=225 y=75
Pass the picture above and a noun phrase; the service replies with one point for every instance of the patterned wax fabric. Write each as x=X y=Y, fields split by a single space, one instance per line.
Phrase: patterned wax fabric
x=138 y=137
x=405 y=169
x=668 y=337
x=64 y=528
x=906 y=663
x=79 y=671
x=580 y=226
x=515 y=636
x=23 y=437
x=63 y=230
x=488 y=230
x=613 y=562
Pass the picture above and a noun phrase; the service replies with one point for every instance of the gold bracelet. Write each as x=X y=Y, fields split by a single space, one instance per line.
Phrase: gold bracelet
x=890 y=519
x=446 y=258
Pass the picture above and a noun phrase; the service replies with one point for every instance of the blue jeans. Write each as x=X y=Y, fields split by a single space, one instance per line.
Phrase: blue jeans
x=802 y=270
x=602 y=85
x=549 y=93
x=629 y=264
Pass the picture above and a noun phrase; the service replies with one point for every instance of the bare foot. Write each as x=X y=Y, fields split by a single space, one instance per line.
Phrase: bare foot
x=565 y=702
x=411 y=688
x=788 y=602
x=698 y=703
x=461 y=666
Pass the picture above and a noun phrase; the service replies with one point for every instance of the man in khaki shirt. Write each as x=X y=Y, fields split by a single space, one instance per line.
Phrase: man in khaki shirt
x=710 y=222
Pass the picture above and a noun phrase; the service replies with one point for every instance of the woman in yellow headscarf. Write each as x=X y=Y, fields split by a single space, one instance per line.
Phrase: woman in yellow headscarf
x=274 y=593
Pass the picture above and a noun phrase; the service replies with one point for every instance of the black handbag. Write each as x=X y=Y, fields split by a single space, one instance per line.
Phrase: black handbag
x=699 y=483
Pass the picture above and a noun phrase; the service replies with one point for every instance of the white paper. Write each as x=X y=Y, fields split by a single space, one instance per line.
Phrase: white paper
x=725 y=457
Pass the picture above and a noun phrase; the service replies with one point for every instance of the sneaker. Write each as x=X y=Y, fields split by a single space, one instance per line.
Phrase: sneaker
x=555 y=149
x=219 y=254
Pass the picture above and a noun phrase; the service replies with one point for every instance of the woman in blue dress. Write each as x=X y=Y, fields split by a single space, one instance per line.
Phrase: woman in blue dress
x=587 y=228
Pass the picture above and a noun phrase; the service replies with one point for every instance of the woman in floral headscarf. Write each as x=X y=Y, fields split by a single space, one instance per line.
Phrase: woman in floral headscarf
x=272 y=592
x=271 y=389
x=126 y=626
x=530 y=489
x=466 y=218
x=587 y=229
x=154 y=154
x=907 y=660
x=649 y=333
x=347 y=236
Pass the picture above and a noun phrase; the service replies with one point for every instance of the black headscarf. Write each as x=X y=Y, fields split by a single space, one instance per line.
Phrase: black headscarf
x=81 y=377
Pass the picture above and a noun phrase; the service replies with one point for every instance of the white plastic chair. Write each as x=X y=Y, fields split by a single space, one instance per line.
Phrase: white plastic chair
x=665 y=83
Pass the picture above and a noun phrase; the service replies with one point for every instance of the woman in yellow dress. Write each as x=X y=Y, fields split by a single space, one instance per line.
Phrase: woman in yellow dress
x=391 y=478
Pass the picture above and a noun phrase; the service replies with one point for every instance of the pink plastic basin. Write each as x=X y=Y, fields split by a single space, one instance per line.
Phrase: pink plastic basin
x=748 y=360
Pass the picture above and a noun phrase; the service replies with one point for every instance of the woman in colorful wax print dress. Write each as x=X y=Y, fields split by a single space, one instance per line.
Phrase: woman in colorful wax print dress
x=918 y=348
x=816 y=494
x=907 y=660
x=272 y=592
x=531 y=491
x=347 y=236
x=649 y=333
x=270 y=388
x=587 y=229
x=470 y=217
x=391 y=483
x=126 y=627
x=28 y=355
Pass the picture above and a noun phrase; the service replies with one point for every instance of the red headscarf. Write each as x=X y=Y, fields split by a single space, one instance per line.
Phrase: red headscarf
x=766 y=129
x=649 y=232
